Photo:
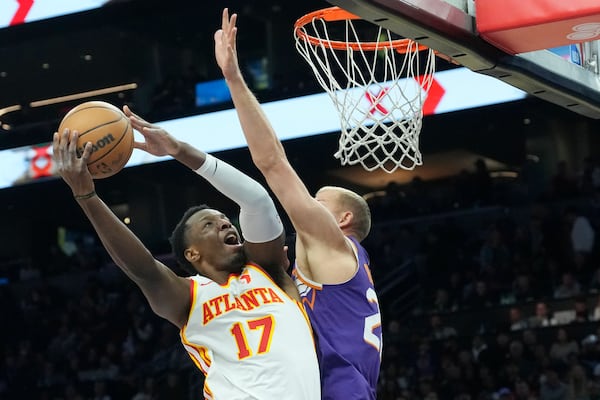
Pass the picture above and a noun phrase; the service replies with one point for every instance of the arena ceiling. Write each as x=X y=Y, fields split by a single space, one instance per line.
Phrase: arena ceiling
x=128 y=42
x=140 y=42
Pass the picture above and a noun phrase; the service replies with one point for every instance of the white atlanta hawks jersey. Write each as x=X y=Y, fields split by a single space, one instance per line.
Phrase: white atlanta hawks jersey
x=251 y=340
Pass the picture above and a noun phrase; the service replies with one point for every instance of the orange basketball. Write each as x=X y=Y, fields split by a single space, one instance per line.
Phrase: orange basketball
x=110 y=132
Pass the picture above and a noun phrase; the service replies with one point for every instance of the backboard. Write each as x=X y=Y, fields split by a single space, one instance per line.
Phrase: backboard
x=450 y=27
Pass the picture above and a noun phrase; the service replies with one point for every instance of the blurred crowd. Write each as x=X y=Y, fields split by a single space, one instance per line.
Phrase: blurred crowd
x=499 y=288
x=489 y=290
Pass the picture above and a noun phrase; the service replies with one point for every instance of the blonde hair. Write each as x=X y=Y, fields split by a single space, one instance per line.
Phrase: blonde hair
x=350 y=201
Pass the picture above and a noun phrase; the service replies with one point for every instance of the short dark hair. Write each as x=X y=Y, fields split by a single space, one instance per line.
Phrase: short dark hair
x=178 y=239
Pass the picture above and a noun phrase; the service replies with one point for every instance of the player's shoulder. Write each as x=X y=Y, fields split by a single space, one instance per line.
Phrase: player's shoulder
x=254 y=270
x=200 y=280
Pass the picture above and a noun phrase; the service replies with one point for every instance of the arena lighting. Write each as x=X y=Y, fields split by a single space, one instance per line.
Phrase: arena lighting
x=18 y=12
x=463 y=89
x=6 y=110
x=504 y=174
x=372 y=195
x=82 y=95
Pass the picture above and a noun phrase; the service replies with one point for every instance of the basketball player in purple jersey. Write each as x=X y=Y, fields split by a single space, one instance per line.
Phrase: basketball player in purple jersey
x=331 y=268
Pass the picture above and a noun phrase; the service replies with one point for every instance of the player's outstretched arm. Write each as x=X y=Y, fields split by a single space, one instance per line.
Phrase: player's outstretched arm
x=167 y=293
x=259 y=220
x=320 y=237
x=159 y=142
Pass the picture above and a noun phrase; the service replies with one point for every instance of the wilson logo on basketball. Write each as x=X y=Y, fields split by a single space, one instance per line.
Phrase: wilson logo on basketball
x=100 y=143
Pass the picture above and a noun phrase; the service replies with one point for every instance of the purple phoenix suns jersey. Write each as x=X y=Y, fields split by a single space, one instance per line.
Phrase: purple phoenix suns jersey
x=347 y=325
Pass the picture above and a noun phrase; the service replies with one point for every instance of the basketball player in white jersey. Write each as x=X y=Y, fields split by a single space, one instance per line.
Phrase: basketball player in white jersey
x=239 y=316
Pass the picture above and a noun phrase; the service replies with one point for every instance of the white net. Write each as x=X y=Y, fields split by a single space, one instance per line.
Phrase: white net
x=378 y=91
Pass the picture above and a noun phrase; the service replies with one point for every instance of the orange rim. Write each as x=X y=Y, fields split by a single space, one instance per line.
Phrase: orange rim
x=338 y=14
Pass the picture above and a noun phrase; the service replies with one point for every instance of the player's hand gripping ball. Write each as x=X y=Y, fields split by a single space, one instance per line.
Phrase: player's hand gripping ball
x=108 y=129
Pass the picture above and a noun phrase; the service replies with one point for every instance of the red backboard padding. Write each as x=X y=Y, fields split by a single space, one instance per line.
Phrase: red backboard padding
x=519 y=26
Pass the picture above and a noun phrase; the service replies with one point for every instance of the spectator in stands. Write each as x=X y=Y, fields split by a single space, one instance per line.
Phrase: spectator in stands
x=466 y=363
x=488 y=382
x=442 y=302
x=172 y=388
x=578 y=383
x=594 y=285
x=450 y=378
x=523 y=392
x=516 y=319
x=569 y=287
x=589 y=354
x=589 y=178
x=100 y=391
x=438 y=330
x=424 y=363
x=582 y=269
x=49 y=376
x=596 y=312
x=71 y=392
x=530 y=341
x=551 y=387
x=564 y=185
x=542 y=317
x=522 y=288
x=480 y=297
x=438 y=256
x=504 y=394
x=455 y=288
x=508 y=374
x=396 y=333
x=595 y=382
x=563 y=347
x=499 y=350
x=581 y=310
x=405 y=243
x=479 y=350
x=581 y=232
x=390 y=390
x=29 y=272
x=541 y=356
x=463 y=396
x=537 y=237
x=517 y=356
x=521 y=244
x=148 y=390
x=495 y=255
x=533 y=176
x=426 y=390
x=393 y=379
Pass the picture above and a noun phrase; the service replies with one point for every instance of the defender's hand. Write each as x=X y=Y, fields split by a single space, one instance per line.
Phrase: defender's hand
x=157 y=142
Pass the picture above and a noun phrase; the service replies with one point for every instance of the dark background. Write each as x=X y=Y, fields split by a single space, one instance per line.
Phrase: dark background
x=169 y=45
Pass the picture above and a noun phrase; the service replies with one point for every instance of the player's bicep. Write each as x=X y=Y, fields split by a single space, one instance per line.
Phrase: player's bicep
x=308 y=216
x=168 y=295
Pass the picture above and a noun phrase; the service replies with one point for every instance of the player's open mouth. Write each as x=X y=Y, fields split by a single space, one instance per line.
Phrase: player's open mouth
x=232 y=239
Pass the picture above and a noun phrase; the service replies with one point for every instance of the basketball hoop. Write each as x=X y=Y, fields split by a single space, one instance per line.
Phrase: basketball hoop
x=376 y=85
